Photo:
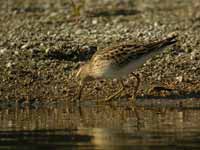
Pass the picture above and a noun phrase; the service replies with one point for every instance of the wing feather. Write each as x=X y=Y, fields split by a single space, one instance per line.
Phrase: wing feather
x=125 y=53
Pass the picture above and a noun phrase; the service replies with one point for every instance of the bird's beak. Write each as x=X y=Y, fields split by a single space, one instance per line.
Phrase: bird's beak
x=78 y=73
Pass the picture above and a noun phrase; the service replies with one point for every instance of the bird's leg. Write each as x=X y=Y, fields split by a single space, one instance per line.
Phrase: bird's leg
x=137 y=76
x=123 y=87
x=81 y=87
x=108 y=99
x=97 y=88
x=134 y=107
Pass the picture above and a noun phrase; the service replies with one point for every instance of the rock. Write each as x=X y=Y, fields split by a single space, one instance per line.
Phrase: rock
x=9 y=64
x=179 y=78
x=2 y=51
x=94 y=21
x=25 y=46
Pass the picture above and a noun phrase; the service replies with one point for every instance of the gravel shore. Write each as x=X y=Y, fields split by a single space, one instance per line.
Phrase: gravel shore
x=42 y=42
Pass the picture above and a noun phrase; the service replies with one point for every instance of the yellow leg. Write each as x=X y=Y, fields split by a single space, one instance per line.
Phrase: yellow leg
x=134 y=108
x=81 y=87
x=108 y=99
x=98 y=88
x=137 y=76
x=123 y=88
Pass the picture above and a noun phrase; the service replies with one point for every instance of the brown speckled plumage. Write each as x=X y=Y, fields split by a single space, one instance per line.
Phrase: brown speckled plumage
x=118 y=61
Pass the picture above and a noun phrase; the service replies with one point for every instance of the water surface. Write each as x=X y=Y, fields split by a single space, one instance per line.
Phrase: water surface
x=99 y=127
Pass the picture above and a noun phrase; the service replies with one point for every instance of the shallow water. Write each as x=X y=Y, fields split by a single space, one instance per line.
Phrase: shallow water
x=67 y=126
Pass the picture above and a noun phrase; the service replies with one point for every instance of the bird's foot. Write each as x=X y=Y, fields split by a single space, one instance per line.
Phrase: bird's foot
x=108 y=99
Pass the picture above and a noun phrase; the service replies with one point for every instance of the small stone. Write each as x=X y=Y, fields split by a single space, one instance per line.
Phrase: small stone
x=194 y=55
x=9 y=64
x=94 y=21
x=155 y=24
x=48 y=33
x=115 y=80
x=179 y=78
x=2 y=51
x=159 y=78
x=79 y=31
x=47 y=50
x=16 y=52
x=42 y=44
x=25 y=46
x=194 y=68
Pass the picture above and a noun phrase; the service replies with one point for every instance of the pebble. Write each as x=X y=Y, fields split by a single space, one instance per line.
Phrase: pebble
x=25 y=46
x=94 y=21
x=9 y=64
x=179 y=78
x=2 y=51
x=194 y=55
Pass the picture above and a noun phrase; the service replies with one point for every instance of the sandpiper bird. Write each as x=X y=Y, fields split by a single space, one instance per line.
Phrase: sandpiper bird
x=119 y=61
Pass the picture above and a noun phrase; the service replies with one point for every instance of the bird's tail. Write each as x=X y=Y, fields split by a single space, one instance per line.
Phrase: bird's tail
x=169 y=40
x=157 y=47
